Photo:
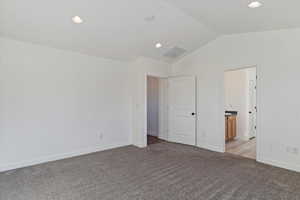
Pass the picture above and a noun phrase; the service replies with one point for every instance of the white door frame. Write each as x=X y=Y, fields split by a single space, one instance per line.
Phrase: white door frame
x=146 y=103
x=258 y=103
x=252 y=108
x=145 y=106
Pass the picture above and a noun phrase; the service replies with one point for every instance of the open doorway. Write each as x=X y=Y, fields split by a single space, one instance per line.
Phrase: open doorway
x=171 y=110
x=154 y=108
x=241 y=112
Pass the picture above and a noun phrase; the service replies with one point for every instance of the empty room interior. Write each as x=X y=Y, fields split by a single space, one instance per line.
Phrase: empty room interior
x=149 y=100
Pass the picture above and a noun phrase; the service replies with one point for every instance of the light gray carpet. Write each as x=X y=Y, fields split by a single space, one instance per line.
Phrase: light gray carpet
x=160 y=172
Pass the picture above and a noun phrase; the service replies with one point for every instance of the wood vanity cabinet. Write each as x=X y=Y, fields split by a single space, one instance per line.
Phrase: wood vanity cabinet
x=230 y=127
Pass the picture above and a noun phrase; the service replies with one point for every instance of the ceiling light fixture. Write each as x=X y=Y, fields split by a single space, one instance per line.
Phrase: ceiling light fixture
x=158 y=45
x=149 y=18
x=255 y=4
x=77 y=20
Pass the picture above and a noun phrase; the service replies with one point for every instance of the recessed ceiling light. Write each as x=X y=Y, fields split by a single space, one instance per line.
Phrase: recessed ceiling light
x=149 y=18
x=158 y=45
x=77 y=20
x=255 y=4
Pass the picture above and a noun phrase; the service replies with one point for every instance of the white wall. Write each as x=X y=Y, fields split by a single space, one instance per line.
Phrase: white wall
x=276 y=54
x=152 y=106
x=55 y=104
x=139 y=71
x=236 y=98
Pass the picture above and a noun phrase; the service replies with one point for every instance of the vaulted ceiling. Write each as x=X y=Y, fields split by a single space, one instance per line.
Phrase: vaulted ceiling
x=234 y=16
x=127 y=29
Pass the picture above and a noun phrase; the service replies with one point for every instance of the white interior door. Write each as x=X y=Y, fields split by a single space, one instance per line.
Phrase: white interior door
x=182 y=110
x=252 y=109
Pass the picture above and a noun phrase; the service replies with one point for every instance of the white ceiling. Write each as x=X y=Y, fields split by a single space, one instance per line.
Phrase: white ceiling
x=116 y=28
x=234 y=16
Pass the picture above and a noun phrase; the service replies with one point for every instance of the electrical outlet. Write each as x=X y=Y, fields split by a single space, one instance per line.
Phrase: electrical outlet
x=203 y=134
x=292 y=150
x=295 y=150
x=101 y=136
x=289 y=150
x=270 y=148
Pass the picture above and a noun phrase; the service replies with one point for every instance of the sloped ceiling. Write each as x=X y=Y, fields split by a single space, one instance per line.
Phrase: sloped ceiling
x=118 y=29
x=234 y=16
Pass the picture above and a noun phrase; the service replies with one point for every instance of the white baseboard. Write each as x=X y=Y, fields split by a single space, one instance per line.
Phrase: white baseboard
x=89 y=150
x=27 y=163
x=163 y=137
x=275 y=163
x=280 y=164
x=140 y=145
x=212 y=148
x=244 y=138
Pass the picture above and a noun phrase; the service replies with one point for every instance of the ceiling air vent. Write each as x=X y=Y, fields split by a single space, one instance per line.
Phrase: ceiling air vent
x=175 y=52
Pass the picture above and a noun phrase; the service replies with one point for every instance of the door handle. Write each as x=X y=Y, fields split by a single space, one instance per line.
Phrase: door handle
x=193 y=113
x=250 y=112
